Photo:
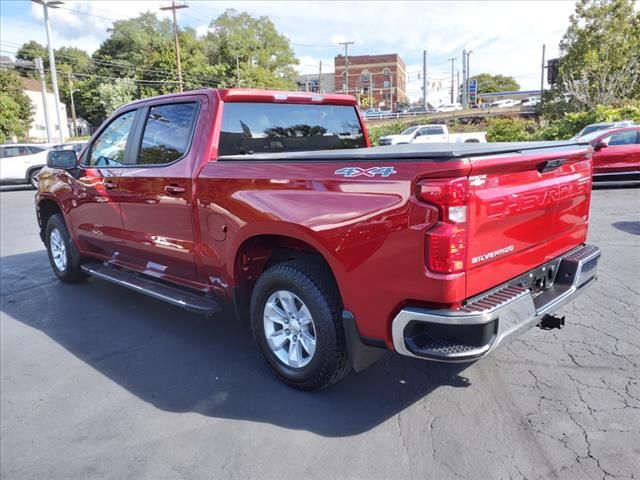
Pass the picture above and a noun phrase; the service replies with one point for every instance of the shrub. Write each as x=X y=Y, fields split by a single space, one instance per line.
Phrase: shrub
x=510 y=130
x=375 y=132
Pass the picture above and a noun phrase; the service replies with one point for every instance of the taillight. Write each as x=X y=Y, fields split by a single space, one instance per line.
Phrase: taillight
x=446 y=243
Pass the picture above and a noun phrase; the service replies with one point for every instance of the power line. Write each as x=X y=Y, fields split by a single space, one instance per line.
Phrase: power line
x=131 y=67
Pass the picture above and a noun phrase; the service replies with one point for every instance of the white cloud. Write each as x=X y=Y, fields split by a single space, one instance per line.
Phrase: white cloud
x=310 y=65
x=202 y=30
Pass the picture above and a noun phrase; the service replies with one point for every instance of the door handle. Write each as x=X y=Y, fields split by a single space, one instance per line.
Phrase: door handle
x=109 y=185
x=174 y=189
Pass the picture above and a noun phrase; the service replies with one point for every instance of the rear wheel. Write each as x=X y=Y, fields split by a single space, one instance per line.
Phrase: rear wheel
x=63 y=256
x=33 y=178
x=295 y=318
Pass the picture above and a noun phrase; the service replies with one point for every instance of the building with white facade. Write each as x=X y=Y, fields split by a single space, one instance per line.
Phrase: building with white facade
x=38 y=129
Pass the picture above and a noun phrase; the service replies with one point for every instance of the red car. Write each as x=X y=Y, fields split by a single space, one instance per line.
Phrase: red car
x=616 y=154
x=274 y=203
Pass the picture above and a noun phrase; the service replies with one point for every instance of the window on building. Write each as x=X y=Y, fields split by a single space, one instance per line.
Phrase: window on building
x=386 y=74
x=365 y=76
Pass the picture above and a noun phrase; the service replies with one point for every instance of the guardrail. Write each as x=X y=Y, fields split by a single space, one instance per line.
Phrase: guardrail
x=466 y=113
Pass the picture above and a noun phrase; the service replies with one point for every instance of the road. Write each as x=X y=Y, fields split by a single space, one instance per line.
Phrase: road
x=99 y=382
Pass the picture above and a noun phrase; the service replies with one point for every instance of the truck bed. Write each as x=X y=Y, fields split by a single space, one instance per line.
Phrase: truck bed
x=426 y=151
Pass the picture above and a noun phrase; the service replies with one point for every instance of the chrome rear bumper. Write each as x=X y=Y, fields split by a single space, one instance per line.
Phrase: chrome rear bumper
x=485 y=322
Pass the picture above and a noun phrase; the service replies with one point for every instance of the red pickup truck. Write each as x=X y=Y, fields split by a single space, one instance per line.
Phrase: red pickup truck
x=275 y=203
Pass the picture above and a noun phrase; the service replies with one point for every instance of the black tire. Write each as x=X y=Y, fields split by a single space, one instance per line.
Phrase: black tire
x=71 y=273
x=33 y=178
x=314 y=285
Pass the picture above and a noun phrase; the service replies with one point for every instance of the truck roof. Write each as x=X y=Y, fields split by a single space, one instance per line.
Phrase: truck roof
x=431 y=151
x=258 y=96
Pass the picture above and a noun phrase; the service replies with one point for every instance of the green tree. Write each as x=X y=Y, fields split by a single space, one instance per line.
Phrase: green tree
x=600 y=62
x=114 y=94
x=28 y=52
x=251 y=49
x=10 y=121
x=488 y=83
x=15 y=106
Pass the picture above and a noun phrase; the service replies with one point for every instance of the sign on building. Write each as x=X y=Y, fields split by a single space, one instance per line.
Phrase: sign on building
x=473 y=91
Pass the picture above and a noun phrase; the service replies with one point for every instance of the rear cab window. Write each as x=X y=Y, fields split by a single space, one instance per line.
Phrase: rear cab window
x=280 y=127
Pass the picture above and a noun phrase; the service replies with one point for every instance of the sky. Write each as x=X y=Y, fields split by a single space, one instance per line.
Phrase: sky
x=506 y=37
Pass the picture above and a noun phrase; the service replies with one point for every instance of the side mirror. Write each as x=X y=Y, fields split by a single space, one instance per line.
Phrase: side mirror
x=62 y=159
x=600 y=145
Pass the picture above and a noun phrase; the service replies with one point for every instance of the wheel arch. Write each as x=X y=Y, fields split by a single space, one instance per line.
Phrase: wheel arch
x=260 y=251
x=32 y=169
x=45 y=208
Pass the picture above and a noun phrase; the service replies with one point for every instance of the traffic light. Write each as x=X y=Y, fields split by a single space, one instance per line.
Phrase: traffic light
x=552 y=71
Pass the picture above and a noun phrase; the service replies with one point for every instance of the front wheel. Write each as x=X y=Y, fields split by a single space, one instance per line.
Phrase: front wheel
x=295 y=318
x=63 y=255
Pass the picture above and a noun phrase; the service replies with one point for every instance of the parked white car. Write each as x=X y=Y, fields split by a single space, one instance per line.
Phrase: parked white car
x=448 y=107
x=509 y=103
x=530 y=102
x=435 y=133
x=21 y=162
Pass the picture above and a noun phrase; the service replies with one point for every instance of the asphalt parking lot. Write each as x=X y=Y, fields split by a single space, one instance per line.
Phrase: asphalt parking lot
x=99 y=382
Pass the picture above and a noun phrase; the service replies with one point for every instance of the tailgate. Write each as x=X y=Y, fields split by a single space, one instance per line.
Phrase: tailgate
x=524 y=210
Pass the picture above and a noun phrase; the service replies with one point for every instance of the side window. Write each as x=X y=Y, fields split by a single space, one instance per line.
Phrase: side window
x=34 y=150
x=627 y=137
x=167 y=133
x=15 y=151
x=109 y=148
x=432 y=131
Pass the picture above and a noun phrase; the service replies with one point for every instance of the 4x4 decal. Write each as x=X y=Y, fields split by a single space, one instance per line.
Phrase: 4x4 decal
x=367 y=172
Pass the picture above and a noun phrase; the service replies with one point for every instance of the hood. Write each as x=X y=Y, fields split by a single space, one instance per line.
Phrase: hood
x=393 y=139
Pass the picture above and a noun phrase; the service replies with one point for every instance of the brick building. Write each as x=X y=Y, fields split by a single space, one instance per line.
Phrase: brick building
x=375 y=80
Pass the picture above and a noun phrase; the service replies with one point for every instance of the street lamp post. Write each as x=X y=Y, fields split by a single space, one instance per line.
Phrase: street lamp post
x=52 y=61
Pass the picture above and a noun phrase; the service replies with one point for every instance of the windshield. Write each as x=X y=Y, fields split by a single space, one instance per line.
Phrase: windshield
x=409 y=131
x=593 y=128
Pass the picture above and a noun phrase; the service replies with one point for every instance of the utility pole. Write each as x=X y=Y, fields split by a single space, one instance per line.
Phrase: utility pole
x=452 y=60
x=346 y=65
x=46 y=5
x=424 y=79
x=468 y=77
x=542 y=77
x=73 y=106
x=237 y=70
x=457 y=83
x=464 y=78
x=43 y=88
x=173 y=9
x=320 y=77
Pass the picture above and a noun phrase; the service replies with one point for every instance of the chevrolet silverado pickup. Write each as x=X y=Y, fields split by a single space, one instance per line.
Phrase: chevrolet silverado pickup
x=275 y=204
